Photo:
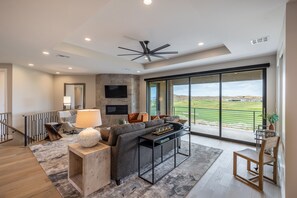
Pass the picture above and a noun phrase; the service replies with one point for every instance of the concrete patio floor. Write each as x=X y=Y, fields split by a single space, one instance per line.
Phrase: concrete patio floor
x=231 y=133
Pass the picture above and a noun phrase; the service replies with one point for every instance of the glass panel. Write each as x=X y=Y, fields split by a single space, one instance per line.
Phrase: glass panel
x=157 y=98
x=178 y=98
x=205 y=101
x=242 y=95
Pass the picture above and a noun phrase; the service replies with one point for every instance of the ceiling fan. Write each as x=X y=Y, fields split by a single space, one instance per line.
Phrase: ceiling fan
x=147 y=52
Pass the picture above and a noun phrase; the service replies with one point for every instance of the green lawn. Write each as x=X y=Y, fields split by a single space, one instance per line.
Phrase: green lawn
x=235 y=114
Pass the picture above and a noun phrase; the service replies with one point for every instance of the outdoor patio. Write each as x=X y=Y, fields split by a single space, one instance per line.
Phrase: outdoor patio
x=231 y=133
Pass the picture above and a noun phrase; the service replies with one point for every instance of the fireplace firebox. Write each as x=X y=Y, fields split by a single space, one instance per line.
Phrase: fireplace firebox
x=116 y=109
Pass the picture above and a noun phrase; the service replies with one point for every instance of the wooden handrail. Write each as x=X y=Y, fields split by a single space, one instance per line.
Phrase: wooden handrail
x=13 y=129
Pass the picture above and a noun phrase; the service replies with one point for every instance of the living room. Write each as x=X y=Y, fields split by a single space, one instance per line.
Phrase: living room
x=38 y=58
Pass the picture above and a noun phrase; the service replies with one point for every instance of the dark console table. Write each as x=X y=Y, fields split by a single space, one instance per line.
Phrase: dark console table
x=153 y=141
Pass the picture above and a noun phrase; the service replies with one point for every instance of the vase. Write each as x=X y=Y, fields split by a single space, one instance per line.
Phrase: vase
x=271 y=127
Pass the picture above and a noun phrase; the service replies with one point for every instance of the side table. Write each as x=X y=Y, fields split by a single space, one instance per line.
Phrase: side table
x=89 y=168
x=52 y=129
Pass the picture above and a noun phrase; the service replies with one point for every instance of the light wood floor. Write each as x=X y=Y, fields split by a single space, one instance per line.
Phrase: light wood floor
x=218 y=181
x=22 y=176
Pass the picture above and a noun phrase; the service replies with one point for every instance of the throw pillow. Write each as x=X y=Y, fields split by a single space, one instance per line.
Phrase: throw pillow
x=105 y=133
x=182 y=121
x=140 y=115
x=156 y=118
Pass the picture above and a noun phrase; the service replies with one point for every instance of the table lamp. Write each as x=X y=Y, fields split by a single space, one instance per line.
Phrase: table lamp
x=88 y=118
x=67 y=102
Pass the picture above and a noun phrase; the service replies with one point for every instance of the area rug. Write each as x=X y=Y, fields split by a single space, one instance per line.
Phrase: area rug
x=53 y=157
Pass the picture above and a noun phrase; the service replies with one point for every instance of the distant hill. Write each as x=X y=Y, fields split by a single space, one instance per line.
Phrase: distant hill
x=225 y=98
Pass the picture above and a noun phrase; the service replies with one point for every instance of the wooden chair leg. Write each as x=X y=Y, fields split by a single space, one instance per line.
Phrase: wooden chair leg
x=248 y=165
x=275 y=171
x=260 y=177
x=234 y=164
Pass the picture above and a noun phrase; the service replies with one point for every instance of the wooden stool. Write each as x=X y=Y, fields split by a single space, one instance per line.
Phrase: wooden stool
x=52 y=129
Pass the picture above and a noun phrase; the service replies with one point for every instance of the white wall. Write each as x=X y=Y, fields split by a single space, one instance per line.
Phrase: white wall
x=3 y=90
x=32 y=91
x=270 y=77
x=290 y=100
x=8 y=69
x=59 y=81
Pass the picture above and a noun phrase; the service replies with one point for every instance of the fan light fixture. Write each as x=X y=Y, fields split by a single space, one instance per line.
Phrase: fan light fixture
x=147 y=53
x=147 y=2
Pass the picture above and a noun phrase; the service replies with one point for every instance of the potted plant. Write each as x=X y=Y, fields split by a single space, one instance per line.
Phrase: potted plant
x=272 y=119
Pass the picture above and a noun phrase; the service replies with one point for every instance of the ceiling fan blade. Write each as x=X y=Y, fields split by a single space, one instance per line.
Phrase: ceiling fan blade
x=130 y=50
x=143 y=47
x=159 y=48
x=149 y=58
x=137 y=57
x=154 y=55
x=172 y=52
x=128 y=54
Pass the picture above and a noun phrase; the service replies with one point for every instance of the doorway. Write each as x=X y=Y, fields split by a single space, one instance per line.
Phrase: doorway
x=3 y=90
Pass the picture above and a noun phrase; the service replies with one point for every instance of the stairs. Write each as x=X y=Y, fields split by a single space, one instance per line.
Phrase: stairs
x=6 y=139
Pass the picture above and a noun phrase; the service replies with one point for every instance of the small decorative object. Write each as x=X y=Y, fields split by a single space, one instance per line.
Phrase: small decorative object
x=272 y=119
x=85 y=119
x=89 y=137
x=67 y=102
x=122 y=121
x=163 y=129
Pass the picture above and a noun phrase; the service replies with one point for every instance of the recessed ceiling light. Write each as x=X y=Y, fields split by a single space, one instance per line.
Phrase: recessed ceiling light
x=57 y=72
x=45 y=52
x=147 y=2
x=69 y=67
x=88 y=39
x=31 y=65
x=138 y=71
x=201 y=43
x=145 y=58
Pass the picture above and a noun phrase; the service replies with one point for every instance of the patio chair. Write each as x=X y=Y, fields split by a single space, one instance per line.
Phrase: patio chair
x=259 y=158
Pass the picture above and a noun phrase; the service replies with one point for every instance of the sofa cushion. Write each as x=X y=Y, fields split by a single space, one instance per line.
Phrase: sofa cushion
x=115 y=131
x=152 y=123
x=105 y=131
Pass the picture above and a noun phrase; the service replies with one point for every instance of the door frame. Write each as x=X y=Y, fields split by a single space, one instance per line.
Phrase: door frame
x=262 y=67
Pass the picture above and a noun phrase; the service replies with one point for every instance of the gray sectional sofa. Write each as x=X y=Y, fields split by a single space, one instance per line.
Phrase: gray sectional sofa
x=123 y=140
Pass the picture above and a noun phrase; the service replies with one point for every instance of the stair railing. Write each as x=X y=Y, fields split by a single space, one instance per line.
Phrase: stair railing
x=6 y=129
x=34 y=125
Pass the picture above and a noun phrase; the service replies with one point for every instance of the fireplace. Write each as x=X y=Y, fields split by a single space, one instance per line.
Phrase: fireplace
x=116 y=109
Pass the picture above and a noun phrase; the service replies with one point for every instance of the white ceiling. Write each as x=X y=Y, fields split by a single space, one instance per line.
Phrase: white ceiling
x=60 y=26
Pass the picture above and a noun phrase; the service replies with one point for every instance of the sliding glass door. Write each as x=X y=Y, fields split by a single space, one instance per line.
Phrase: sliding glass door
x=178 y=98
x=242 y=104
x=205 y=104
x=157 y=98
x=224 y=104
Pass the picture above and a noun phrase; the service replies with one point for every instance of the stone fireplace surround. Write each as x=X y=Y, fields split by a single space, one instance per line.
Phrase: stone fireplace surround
x=132 y=100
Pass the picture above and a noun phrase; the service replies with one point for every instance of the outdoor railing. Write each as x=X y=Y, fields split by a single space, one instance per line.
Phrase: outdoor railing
x=34 y=125
x=5 y=120
x=239 y=119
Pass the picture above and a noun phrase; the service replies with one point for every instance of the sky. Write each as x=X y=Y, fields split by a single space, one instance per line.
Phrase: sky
x=237 y=88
